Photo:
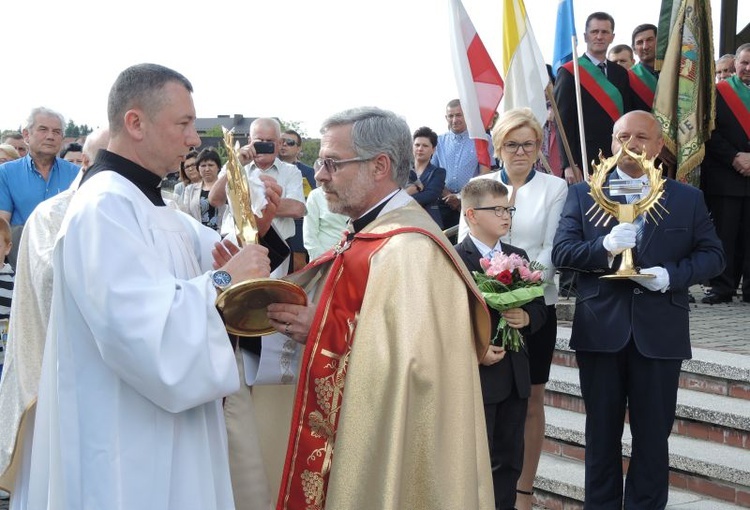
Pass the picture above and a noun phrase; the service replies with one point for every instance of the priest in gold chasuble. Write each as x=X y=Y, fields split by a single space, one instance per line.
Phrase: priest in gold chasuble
x=388 y=413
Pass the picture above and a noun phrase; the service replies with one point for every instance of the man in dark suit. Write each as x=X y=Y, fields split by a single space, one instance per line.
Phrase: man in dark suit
x=630 y=336
x=605 y=95
x=726 y=179
x=504 y=374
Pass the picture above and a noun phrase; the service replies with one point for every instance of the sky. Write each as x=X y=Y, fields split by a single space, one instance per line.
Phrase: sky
x=298 y=60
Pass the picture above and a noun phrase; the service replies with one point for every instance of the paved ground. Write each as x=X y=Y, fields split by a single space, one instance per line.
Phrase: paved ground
x=724 y=327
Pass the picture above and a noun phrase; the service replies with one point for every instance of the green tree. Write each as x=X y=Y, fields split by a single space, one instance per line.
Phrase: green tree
x=71 y=130
x=215 y=131
x=74 y=131
x=310 y=150
x=293 y=124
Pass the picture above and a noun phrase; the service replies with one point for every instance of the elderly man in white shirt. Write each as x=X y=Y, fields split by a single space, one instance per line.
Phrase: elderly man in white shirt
x=259 y=414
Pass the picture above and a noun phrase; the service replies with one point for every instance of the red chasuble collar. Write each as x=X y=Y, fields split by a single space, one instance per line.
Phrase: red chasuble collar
x=600 y=88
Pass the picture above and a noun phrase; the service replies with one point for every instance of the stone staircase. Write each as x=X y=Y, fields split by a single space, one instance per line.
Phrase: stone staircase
x=709 y=446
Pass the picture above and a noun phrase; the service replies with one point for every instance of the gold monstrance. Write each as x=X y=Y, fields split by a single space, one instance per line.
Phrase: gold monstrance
x=243 y=305
x=604 y=208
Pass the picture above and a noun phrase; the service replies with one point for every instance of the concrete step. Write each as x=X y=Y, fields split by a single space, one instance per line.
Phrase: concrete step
x=716 y=418
x=710 y=371
x=719 y=462
x=560 y=485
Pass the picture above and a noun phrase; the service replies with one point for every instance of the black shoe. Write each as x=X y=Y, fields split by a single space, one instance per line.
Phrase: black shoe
x=715 y=299
x=691 y=298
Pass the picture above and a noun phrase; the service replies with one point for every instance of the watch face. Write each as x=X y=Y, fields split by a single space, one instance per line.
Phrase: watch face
x=221 y=278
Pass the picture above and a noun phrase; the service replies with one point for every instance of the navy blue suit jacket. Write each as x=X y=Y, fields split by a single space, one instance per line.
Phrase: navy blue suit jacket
x=718 y=176
x=497 y=380
x=433 y=180
x=609 y=312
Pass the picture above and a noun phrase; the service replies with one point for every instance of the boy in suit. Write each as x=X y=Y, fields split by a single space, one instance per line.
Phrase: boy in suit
x=504 y=375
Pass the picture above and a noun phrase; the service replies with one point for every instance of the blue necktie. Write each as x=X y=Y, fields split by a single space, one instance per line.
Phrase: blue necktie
x=638 y=221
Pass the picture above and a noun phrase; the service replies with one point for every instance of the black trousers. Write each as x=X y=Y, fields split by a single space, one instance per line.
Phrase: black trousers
x=610 y=382
x=505 y=426
x=731 y=217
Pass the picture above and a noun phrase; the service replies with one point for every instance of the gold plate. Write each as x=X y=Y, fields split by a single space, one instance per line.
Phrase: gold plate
x=243 y=305
x=634 y=276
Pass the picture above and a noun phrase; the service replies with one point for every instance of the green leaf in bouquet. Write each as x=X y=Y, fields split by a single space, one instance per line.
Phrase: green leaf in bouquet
x=502 y=301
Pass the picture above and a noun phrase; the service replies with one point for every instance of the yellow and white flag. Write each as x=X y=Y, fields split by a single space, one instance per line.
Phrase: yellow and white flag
x=523 y=66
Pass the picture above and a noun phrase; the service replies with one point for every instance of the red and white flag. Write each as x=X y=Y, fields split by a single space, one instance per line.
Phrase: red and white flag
x=480 y=87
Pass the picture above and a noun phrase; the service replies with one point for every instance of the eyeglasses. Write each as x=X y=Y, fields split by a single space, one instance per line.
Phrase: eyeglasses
x=499 y=210
x=192 y=165
x=289 y=142
x=512 y=147
x=333 y=165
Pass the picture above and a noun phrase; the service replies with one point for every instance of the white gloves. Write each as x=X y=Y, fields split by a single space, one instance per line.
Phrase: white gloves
x=659 y=283
x=620 y=238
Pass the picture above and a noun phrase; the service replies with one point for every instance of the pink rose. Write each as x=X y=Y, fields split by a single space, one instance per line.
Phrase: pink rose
x=535 y=276
x=524 y=273
x=484 y=263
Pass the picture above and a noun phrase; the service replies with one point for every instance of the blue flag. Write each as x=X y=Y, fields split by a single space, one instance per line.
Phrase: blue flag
x=564 y=31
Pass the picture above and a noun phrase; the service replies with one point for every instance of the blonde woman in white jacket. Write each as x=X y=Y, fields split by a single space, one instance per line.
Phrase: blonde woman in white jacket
x=538 y=199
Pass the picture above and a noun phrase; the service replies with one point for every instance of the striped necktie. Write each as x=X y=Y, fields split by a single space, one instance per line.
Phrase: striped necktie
x=638 y=221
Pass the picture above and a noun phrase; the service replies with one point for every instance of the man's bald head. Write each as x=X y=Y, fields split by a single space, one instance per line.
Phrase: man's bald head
x=97 y=139
x=641 y=132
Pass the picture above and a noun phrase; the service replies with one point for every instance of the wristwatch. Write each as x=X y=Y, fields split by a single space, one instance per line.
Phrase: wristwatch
x=221 y=279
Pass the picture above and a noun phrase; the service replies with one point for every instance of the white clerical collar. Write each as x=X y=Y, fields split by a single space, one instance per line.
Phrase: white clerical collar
x=483 y=248
x=355 y=225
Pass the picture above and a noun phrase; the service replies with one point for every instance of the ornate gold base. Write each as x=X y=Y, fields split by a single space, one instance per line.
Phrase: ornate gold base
x=631 y=274
x=244 y=305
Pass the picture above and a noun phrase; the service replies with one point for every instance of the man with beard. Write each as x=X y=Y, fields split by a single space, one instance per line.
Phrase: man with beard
x=388 y=412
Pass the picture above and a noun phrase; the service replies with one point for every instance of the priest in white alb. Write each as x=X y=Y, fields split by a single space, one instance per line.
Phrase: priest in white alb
x=137 y=359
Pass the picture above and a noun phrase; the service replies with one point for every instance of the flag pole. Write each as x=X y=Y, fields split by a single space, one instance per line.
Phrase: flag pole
x=560 y=128
x=579 y=105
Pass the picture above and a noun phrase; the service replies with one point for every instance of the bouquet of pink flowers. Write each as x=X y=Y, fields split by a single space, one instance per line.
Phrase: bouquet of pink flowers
x=509 y=281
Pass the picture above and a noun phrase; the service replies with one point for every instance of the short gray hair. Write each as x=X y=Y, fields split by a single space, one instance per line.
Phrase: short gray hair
x=41 y=110
x=267 y=121
x=97 y=139
x=743 y=47
x=376 y=131
x=140 y=86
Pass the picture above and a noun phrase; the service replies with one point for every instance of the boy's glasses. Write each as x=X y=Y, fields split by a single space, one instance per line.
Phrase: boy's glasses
x=499 y=210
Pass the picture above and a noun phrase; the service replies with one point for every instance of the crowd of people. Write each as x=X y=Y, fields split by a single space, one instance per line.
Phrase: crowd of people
x=123 y=388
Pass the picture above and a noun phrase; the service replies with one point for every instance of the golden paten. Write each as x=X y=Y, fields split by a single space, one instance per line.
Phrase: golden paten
x=243 y=305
